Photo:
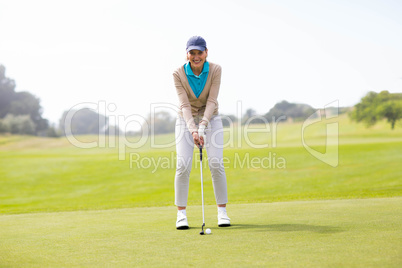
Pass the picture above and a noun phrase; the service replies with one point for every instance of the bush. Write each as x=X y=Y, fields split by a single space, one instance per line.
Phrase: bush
x=18 y=124
x=3 y=127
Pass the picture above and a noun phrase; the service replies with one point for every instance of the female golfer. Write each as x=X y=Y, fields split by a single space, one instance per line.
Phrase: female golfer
x=197 y=84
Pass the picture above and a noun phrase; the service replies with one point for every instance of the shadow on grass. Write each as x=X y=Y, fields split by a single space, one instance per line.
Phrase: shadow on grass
x=289 y=228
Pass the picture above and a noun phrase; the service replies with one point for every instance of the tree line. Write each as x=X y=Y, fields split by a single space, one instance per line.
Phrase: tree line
x=372 y=108
x=21 y=113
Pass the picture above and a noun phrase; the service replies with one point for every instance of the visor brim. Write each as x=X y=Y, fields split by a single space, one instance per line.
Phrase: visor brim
x=195 y=48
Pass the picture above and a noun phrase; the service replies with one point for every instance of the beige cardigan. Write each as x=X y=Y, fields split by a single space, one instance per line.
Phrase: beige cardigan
x=206 y=104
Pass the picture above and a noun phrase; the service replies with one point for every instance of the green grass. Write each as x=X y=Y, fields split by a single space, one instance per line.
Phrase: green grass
x=65 y=206
x=39 y=174
x=336 y=233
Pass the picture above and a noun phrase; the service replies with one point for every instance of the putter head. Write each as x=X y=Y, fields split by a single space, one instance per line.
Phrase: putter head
x=202 y=229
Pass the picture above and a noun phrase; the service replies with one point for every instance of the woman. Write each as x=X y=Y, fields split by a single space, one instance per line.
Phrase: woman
x=197 y=84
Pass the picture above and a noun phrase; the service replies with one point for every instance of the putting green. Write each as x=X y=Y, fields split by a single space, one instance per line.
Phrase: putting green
x=334 y=233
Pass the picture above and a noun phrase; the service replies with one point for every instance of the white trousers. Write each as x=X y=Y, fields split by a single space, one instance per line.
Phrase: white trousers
x=185 y=148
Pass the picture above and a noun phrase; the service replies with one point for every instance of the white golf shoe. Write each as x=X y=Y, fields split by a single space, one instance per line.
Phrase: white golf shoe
x=223 y=219
x=181 y=222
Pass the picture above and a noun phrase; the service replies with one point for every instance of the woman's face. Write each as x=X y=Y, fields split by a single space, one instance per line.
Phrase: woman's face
x=197 y=57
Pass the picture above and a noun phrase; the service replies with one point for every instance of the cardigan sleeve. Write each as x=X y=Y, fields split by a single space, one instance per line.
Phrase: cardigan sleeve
x=212 y=101
x=184 y=103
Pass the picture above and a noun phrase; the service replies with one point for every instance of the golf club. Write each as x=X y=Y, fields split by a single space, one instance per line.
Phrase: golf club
x=202 y=194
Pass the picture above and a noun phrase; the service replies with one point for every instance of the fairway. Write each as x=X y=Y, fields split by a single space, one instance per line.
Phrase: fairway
x=337 y=233
x=42 y=174
x=65 y=206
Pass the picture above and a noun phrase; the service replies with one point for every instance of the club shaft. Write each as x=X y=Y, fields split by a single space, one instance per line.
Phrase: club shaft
x=202 y=190
x=202 y=196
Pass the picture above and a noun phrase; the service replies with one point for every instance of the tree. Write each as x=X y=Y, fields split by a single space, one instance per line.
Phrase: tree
x=3 y=127
x=161 y=122
x=83 y=121
x=19 y=103
x=52 y=132
x=228 y=120
x=297 y=111
x=251 y=117
x=18 y=124
x=7 y=92
x=377 y=106
x=392 y=111
x=26 y=103
x=113 y=130
x=247 y=115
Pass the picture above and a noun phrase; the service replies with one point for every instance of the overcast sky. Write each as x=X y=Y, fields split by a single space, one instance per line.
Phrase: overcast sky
x=124 y=52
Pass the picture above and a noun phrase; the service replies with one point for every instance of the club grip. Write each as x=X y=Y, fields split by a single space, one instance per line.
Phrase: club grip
x=200 y=153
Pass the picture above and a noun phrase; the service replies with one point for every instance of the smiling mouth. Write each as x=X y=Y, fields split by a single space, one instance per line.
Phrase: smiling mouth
x=197 y=61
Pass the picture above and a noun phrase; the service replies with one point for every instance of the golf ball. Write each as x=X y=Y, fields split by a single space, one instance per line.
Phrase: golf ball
x=208 y=231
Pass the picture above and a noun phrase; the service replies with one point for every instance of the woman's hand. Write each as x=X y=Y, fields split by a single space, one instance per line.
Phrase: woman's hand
x=199 y=141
